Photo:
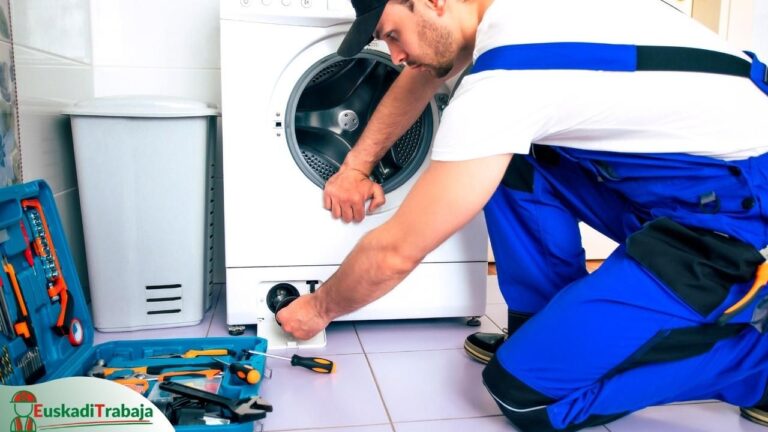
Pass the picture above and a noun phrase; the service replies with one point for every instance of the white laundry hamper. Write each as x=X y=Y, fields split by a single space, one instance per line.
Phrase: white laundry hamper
x=144 y=168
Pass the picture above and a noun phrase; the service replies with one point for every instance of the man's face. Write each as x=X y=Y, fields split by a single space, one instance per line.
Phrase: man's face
x=417 y=38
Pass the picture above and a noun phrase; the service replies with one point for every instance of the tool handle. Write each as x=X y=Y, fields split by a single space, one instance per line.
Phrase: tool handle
x=109 y=371
x=209 y=373
x=206 y=352
x=316 y=364
x=245 y=372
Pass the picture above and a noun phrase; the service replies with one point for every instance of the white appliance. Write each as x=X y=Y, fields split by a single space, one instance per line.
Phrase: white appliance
x=291 y=110
x=145 y=177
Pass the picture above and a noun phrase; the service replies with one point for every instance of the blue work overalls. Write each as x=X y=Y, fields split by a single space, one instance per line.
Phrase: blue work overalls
x=650 y=325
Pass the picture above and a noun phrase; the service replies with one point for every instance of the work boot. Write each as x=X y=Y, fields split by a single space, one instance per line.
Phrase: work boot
x=756 y=415
x=482 y=346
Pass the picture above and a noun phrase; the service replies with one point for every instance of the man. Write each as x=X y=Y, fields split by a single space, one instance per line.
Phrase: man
x=669 y=160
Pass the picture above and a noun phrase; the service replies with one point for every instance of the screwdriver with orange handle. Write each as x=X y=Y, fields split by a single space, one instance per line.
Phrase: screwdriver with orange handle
x=244 y=372
x=316 y=364
x=194 y=353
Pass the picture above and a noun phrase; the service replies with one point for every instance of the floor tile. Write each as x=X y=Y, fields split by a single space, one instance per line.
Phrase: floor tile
x=374 y=428
x=196 y=331
x=493 y=295
x=303 y=399
x=497 y=313
x=431 y=385
x=703 y=417
x=418 y=335
x=483 y=424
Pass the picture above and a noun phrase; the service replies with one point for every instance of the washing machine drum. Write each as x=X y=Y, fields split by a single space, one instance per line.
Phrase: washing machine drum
x=330 y=107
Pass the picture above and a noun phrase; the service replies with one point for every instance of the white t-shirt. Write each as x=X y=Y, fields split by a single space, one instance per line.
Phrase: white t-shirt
x=502 y=112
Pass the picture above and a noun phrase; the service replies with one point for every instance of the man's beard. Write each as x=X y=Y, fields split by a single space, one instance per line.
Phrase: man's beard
x=440 y=41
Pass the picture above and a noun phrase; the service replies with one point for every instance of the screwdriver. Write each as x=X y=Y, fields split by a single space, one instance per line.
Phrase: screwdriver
x=197 y=353
x=317 y=364
x=243 y=371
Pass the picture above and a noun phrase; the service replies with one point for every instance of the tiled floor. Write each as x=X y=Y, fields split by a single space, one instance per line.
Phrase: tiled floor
x=413 y=376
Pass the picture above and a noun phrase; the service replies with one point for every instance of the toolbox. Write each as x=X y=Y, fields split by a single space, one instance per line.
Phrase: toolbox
x=46 y=331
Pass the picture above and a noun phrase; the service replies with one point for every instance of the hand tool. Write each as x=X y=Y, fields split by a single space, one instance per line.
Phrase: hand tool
x=23 y=326
x=100 y=370
x=6 y=322
x=27 y=251
x=317 y=364
x=242 y=410
x=140 y=381
x=66 y=324
x=244 y=372
x=31 y=366
x=6 y=367
x=198 y=353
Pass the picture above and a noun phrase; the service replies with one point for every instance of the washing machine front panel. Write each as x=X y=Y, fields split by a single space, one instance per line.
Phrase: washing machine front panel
x=306 y=13
x=273 y=212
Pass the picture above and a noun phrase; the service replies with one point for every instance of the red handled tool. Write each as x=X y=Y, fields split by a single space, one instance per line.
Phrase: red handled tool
x=66 y=324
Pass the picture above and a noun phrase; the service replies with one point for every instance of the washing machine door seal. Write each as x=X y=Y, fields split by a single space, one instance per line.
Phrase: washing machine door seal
x=329 y=108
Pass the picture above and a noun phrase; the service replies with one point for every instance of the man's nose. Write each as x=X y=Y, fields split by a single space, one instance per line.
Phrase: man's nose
x=398 y=54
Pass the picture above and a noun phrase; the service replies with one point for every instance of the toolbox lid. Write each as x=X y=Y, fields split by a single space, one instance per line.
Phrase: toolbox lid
x=142 y=106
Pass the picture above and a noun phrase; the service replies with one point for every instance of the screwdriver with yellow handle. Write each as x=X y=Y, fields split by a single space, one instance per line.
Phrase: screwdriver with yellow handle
x=243 y=371
x=316 y=364
x=193 y=353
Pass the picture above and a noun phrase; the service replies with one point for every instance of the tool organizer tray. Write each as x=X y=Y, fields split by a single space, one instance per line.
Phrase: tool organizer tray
x=46 y=331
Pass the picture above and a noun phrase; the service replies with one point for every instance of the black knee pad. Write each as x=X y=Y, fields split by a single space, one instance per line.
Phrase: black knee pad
x=526 y=407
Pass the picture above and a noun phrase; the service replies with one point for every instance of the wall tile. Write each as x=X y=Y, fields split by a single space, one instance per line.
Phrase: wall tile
x=68 y=204
x=196 y=84
x=151 y=33
x=60 y=28
x=47 y=143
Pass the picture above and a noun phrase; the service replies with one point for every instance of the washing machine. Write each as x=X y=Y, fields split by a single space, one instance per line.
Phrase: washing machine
x=291 y=110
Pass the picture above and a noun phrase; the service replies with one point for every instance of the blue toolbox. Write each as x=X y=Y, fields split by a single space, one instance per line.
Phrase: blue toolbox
x=46 y=331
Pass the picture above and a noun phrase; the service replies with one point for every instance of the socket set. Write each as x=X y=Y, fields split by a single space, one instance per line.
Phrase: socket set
x=46 y=331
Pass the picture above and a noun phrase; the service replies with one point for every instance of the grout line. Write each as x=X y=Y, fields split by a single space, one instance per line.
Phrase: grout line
x=375 y=381
x=330 y=428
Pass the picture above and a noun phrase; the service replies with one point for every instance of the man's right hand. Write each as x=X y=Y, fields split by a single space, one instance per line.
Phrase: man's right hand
x=347 y=191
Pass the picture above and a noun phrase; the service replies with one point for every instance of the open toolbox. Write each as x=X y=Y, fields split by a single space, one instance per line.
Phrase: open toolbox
x=46 y=332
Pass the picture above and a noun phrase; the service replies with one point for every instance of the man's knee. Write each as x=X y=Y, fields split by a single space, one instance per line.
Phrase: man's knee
x=526 y=407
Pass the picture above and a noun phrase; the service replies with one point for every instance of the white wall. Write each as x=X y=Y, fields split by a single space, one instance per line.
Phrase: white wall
x=71 y=50
x=52 y=58
x=172 y=51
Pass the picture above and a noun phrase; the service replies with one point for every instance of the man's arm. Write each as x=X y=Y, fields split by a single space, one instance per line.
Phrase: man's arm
x=443 y=200
x=346 y=192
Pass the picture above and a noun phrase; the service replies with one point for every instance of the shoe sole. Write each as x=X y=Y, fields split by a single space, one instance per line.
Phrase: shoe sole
x=760 y=418
x=476 y=353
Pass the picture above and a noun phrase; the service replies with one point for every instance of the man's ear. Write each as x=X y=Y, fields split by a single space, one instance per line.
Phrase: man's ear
x=438 y=6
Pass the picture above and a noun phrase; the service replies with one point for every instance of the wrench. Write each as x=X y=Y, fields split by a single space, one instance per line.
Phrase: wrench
x=243 y=410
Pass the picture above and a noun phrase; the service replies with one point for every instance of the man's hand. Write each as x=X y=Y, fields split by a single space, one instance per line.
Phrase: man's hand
x=346 y=192
x=303 y=318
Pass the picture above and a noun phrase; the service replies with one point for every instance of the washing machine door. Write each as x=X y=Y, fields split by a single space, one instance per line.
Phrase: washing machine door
x=329 y=108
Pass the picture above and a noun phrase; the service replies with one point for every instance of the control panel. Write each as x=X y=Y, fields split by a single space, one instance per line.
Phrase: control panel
x=315 y=13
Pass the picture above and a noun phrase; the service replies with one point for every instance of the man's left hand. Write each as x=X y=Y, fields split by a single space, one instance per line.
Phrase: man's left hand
x=302 y=318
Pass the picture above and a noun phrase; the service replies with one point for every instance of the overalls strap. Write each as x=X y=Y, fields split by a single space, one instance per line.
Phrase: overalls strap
x=620 y=58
